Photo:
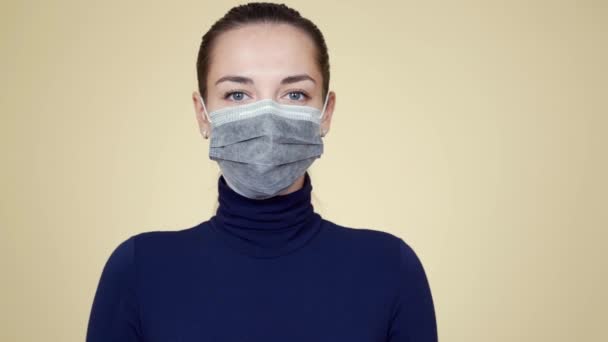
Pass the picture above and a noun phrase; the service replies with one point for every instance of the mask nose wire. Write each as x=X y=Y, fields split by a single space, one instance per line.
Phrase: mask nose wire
x=320 y=118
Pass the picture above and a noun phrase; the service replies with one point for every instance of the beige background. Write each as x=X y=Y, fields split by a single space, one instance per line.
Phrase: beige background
x=475 y=130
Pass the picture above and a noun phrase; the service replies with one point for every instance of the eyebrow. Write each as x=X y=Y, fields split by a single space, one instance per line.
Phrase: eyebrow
x=247 y=80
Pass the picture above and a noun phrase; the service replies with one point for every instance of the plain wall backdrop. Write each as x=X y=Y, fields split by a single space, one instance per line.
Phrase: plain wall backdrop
x=475 y=130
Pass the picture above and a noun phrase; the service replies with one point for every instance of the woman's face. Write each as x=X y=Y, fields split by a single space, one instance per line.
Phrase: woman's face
x=263 y=61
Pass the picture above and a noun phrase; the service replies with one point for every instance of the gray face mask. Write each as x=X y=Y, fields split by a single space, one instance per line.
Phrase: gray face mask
x=262 y=147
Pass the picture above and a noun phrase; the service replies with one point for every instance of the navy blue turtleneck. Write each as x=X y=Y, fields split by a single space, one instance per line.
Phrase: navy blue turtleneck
x=263 y=270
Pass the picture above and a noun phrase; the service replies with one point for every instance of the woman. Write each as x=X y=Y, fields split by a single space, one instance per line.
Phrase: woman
x=265 y=267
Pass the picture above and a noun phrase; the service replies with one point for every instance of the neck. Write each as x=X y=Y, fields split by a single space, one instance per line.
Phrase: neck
x=297 y=185
x=266 y=227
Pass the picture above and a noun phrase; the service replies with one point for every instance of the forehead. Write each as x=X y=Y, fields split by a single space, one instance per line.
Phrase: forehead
x=263 y=50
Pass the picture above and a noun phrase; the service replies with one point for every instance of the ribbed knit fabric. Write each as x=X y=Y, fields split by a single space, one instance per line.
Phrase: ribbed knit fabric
x=269 y=227
x=270 y=270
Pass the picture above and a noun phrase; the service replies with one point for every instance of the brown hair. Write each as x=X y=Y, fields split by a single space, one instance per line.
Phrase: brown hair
x=259 y=12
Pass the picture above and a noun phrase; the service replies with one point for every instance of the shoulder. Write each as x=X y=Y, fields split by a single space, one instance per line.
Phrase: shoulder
x=114 y=314
x=373 y=242
x=121 y=259
x=385 y=253
x=363 y=236
x=377 y=254
x=163 y=238
x=161 y=243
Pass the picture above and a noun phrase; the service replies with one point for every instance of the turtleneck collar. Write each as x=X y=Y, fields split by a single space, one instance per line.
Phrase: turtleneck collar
x=266 y=228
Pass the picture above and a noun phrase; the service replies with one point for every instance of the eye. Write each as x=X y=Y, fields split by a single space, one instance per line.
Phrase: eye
x=238 y=96
x=297 y=95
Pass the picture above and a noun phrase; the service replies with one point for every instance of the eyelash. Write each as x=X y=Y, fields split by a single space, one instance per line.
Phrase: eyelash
x=230 y=92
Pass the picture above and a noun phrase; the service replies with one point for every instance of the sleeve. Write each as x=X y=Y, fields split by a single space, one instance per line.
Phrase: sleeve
x=114 y=315
x=413 y=318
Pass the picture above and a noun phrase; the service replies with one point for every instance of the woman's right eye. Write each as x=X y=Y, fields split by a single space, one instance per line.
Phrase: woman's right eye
x=238 y=96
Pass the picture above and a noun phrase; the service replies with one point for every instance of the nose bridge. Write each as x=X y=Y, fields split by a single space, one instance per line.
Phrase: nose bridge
x=267 y=90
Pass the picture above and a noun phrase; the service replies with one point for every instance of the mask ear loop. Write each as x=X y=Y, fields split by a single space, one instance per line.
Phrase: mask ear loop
x=204 y=108
x=324 y=105
x=323 y=112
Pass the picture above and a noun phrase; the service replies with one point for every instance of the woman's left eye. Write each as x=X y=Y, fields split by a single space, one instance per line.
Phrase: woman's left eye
x=297 y=95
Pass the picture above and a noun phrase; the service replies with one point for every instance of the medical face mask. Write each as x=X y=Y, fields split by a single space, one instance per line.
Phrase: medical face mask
x=263 y=147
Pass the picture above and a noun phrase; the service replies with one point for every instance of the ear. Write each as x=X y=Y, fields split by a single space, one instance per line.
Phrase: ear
x=329 y=110
x=201 y=116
